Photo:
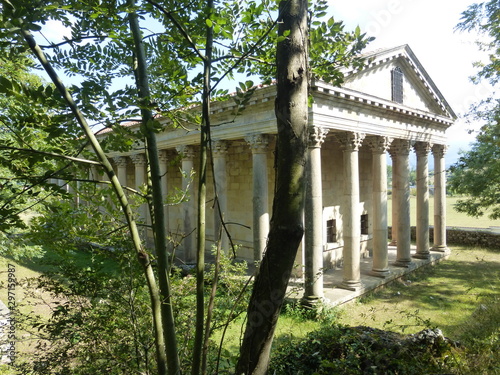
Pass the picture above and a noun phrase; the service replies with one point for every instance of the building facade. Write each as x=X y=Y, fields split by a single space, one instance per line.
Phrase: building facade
x=383 y=112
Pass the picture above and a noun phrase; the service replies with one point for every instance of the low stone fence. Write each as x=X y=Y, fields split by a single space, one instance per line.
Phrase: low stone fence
x=478 y=237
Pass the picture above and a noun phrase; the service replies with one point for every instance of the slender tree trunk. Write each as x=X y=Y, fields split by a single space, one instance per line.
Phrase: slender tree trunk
x=143 y=256
x=159 y=226
x=202 y=197
x=286 y=224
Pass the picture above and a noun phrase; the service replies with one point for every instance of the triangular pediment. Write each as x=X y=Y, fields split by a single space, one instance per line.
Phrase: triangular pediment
x=419 y=91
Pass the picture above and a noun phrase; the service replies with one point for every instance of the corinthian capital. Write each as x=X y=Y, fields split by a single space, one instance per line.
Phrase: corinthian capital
x=439 y=150
x=400 y=147
x=350 y=141
x=422 y=148
x=317 y=136
x=379 y=144
x=258 y=142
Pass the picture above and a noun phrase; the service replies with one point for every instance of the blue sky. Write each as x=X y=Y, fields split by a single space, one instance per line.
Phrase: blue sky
x=427 y=26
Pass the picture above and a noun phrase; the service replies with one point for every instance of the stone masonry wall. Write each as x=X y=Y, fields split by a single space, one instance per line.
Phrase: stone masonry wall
x=466 y=236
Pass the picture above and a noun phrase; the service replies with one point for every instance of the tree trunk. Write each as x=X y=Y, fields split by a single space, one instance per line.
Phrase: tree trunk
x=159 y=227
x=202 y=197
x=143 y=256
x=286 y=230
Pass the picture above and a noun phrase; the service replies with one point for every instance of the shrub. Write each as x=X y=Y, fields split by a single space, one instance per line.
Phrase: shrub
x=338 y=349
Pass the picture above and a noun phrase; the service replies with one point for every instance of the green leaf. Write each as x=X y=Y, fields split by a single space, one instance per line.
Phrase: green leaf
x=209 y=22
x=5 y=84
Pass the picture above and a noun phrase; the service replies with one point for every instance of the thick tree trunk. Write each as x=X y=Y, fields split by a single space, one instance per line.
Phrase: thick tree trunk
x=286 y=224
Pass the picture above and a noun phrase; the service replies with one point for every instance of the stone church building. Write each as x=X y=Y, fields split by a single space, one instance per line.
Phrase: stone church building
x=387 y=110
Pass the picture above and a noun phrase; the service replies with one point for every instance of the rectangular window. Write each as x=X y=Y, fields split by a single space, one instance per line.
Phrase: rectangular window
x=364 y=224
x=331 y=231
x=397 y=85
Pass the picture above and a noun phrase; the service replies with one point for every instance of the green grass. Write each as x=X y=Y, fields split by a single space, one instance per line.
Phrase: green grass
x=446 y=295
x=453 y=218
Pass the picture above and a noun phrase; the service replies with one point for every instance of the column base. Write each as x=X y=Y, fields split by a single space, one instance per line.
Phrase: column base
x=311 y=302
x=350 y=285
x=380 y=273
x=393 y=243
x=421 y=255
x=403 y=263
x=441 y=249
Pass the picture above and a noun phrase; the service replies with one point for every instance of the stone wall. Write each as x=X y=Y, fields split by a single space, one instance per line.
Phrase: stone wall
x=479 y=237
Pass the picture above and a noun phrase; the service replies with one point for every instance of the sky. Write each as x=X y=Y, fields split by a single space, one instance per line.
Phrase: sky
x=427 y=26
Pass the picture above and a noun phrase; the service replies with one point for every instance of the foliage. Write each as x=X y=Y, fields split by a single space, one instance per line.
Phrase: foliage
x=99 y=321
x=32 y=127
x=99 y=311
x=477 y=172
x=337 y=349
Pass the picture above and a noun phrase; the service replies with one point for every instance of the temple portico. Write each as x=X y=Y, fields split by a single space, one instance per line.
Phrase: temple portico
x=352 y=131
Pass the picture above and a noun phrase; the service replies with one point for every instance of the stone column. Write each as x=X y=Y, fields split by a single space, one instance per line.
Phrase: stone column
x=219 y=153
x=400 y=148
x=76 y=193
x=422 y=150
x=139 y=161
x=189 y=206
x=350 y=143
x=313 y=215
x=259 y=143
x=394 y=197
x=121 y=169
x=164 y=186
x=379 y=146
x=438 y=152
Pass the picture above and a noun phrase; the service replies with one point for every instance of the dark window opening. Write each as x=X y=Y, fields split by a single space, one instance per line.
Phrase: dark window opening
x=397 y=85
x=364 y=224
x=331 y=231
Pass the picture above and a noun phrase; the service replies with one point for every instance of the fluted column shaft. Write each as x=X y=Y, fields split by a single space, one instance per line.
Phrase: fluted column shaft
x=258 y=144
x=422 y=150
x=350 y=143
x=400 y=148
x=189 y=205
x=379 y=146
x=313 y=215
x=219 y=153
x=438 y=152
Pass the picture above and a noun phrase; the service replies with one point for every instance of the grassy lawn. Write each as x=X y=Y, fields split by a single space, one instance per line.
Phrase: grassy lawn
x=453 y=218
x=446 y=295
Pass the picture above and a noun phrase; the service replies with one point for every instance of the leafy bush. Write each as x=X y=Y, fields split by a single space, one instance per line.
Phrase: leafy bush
x=338 y=349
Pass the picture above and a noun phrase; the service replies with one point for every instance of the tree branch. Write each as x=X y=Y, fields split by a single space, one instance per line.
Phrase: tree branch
x=71 y=41
x=183 y=32
x=52 y=154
